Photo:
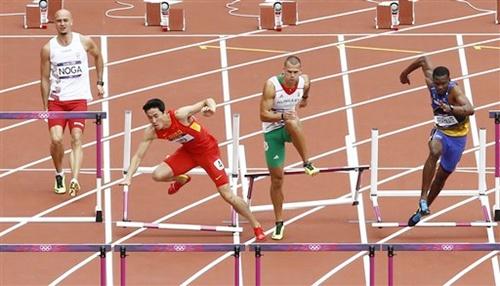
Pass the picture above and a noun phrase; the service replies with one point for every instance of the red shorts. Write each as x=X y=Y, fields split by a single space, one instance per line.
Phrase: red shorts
x=182 y=161
x=70 y=105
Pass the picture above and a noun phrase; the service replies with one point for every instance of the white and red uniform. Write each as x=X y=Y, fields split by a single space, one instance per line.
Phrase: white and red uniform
x=69 y=80
x=199 y=148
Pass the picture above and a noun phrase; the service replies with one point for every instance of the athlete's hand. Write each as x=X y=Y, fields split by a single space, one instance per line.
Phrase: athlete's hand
x=404 y=79
x=445 y=106
x=290 y=115
x=207 y=111
x=303 y=103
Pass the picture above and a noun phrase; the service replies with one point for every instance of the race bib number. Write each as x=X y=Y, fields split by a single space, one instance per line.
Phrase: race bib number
x=72 y=69
x=445 y=120
x=219 y=165
x=183 y=139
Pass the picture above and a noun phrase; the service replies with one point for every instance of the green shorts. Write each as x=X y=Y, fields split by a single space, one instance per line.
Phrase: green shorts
x=274 y=145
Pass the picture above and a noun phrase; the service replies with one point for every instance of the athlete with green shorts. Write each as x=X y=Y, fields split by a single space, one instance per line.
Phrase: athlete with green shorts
x=282 y=93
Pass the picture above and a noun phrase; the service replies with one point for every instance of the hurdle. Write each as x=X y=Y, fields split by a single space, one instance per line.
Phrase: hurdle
x=444 y=247
x=123 y=249
x=98 y=116
x=295 y=205
x=496 y=115
x=45 y=248
x=258 y=248
x=480 y=192
x=126 y=222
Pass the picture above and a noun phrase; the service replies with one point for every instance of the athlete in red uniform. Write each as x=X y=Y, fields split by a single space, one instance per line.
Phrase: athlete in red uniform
x=199 y=148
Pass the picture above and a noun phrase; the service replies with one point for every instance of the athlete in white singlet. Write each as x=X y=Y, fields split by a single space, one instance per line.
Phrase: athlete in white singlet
x=65 y=86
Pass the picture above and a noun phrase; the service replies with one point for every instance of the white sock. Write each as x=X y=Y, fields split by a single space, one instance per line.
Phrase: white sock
x=60 y=173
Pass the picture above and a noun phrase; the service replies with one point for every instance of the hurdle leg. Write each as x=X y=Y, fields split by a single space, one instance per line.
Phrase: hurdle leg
x=496 y=115
x=257 y=265
x=372 y=265
x=237 y=250
x=102 y=259
x=123 y=256
x=98 y=136
x=390 y=266
x=374 y=175
x=497 y=159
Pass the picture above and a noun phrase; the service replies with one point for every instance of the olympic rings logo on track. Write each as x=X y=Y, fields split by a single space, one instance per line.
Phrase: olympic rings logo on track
x=45 y=248
x=447 y=247
x=314 y=247
x=179 y=247
x=43 y=115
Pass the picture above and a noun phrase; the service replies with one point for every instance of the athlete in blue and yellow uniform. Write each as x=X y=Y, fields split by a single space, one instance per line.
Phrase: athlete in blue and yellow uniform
x=448 y=137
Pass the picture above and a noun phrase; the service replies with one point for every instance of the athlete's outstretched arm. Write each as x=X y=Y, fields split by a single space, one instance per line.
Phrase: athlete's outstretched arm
x=422 y=62
x=149 y=136
x=207 y=106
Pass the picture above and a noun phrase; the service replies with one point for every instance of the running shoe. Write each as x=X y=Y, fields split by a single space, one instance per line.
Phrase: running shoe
x=310 y=169
x=74 y=187
x=176 y=186
x=259 y=234
x=279 y=231
x=59 y=185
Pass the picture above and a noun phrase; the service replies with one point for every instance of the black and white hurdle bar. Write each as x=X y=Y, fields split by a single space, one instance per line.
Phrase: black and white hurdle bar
x=126 y=222
x=480 y=192
x=298 y=171
x=98 y=116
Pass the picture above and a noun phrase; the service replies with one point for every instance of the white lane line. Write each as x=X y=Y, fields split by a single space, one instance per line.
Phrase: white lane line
x=352 y=151
x=106 y=158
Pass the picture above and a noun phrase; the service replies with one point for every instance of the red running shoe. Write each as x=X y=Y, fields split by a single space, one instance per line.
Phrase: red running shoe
x=176 y=186
x=259 y=234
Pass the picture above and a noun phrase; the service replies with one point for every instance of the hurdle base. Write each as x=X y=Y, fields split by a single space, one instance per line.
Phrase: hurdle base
x=497 y=215
x=98 y=216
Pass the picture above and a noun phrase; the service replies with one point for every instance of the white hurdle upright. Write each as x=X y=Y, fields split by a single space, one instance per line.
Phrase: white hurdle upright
x=126 y=222
x=480 y=192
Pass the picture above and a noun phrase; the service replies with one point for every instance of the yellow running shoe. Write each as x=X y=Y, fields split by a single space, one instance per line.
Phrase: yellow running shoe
x=74 y=187
x=279 y=231
x=59 y=185
x=310 y=169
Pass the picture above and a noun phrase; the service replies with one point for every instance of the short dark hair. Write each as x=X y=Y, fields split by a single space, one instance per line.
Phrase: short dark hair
x=293 y=60
x=440 y=71
x=154 y=103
